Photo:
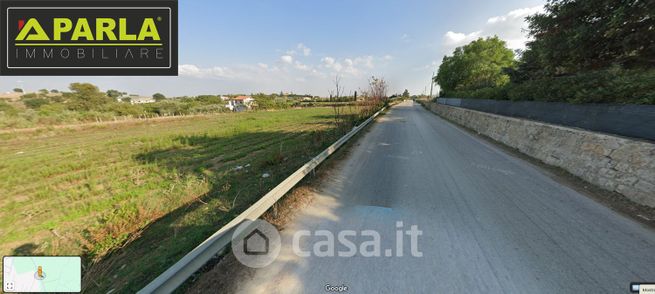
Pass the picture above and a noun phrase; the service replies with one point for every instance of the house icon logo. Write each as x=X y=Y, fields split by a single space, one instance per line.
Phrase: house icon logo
x=256 y=243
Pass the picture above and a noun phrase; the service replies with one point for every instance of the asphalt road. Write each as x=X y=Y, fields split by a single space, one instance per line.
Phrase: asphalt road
x=490 y=222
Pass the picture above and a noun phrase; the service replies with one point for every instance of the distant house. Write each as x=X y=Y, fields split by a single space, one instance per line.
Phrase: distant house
x=244 y=100
x=230 y=105
x=240 y=103
x=225 y=98
x=134 y=99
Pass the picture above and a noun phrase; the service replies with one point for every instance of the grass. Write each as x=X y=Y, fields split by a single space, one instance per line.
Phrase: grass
x=133 y=198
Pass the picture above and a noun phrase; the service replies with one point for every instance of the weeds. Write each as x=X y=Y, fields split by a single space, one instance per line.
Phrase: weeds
x=149 y=191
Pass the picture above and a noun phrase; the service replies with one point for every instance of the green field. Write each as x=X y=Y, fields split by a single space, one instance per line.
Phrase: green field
x=132 y=198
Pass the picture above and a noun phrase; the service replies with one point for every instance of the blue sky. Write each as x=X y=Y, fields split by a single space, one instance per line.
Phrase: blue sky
x=250 y=46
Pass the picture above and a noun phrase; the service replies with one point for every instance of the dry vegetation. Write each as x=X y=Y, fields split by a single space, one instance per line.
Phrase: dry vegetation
x=133 y=198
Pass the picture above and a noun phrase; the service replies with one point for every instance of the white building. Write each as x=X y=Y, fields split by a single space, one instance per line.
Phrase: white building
x=141 y=99
x=240 y=103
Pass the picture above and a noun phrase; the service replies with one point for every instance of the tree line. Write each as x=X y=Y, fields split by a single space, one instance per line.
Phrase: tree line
x=581 y=51
x=85 y=102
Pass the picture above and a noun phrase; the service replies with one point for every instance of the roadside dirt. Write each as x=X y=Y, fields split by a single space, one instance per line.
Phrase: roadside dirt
x=615 y=201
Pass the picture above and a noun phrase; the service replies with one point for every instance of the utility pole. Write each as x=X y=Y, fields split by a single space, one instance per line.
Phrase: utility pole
x=431 y=85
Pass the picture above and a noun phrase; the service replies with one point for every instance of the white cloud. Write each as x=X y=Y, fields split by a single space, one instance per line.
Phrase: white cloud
x=290 y=71
x=353 y=66
x=366 y=61
x=434 y=65
x=287 y=59
x=515 y=14
x=328 y=61
x=190 y=70
x=283 y=72
x=306 y=51
x=300 y=66
x=300 y=49
x=331 y=63
x=242 y=72
x=509 y=27
x=453 y=39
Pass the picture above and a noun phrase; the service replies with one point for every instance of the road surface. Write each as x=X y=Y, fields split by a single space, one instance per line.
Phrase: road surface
x=491 y=223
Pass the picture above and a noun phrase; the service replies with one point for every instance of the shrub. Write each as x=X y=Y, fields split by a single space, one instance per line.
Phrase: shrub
x=211 y=108
x=613 y=85
x=35 y=103
x=29 y=115
x=7 y=109
x=28 y=96
x=90 y=116
x=167 y=107
x=497 y=93
x=605 y=86
x=123 y=109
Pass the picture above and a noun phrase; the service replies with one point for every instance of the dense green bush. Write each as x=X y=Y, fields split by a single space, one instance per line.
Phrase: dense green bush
x=35 y=103
x=265 y=103
x=29 y=96
x=123 y=109
x=496 y=93
x=605 y=86
x=210 y=108
x=168 y=107
x=7 y=109
x=57 y=113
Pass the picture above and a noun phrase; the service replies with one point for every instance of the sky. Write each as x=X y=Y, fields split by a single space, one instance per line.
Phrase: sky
x=300 y=46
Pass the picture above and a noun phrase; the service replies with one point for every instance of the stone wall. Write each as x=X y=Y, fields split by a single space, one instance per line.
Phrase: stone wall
x=614 y=163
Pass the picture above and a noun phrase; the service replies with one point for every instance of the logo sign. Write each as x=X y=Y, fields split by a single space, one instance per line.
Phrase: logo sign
x=88 y=37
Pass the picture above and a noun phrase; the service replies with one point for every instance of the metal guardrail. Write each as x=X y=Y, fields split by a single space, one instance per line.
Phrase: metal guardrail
x=174 y=276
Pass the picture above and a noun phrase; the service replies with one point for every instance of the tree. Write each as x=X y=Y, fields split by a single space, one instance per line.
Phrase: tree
x=18 y=90
x=205 y=99
x=54 y=91
x=477 y=65
x=114 y=93
x=44 y=91
x=35 y=103
x=572 y=36
x=336 y=93
x=378 y=89
x=406 y=94
x=158 y=97
x=86 y=96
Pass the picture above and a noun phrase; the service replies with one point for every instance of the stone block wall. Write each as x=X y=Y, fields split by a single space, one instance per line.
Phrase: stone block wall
x=614 y=163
